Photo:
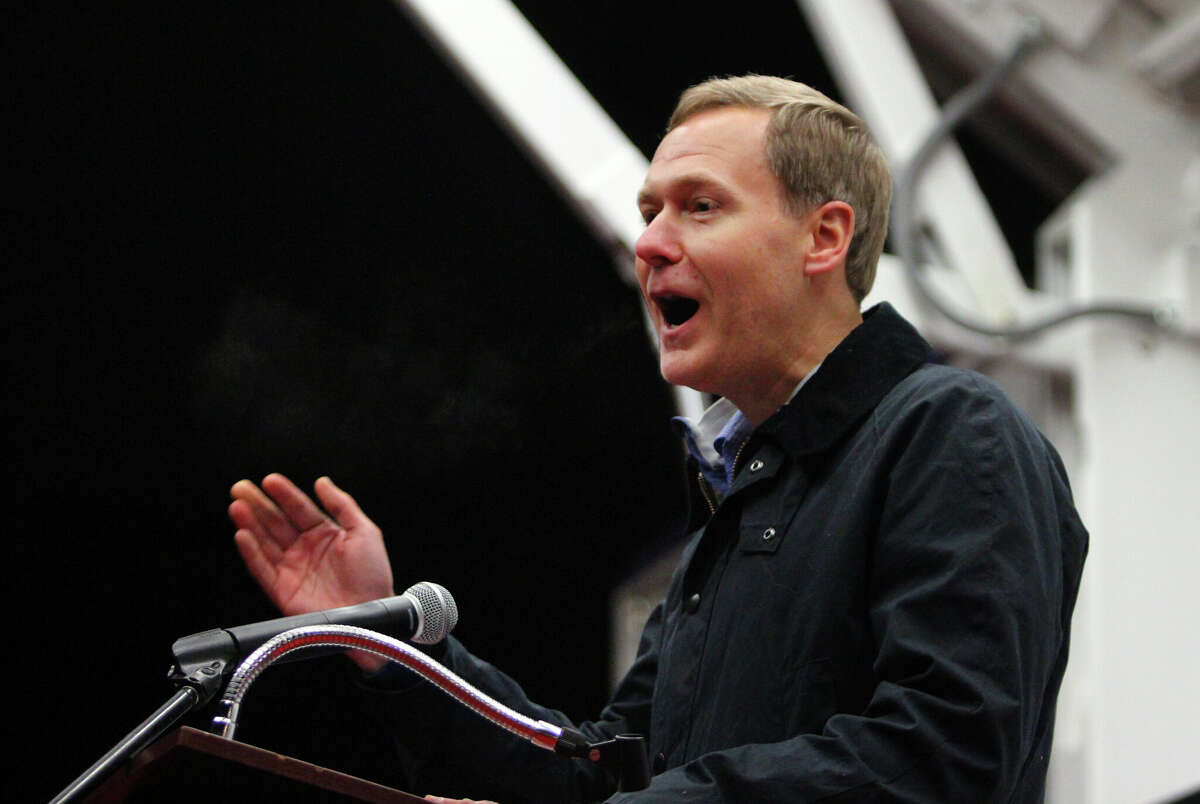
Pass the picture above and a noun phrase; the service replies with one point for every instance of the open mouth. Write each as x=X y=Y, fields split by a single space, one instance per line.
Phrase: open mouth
x=677 y=309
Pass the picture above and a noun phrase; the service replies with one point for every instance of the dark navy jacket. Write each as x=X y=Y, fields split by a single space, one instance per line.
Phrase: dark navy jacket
x=879 y=609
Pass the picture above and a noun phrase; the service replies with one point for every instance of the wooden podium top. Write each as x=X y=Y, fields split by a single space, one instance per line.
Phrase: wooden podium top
x=192 y=765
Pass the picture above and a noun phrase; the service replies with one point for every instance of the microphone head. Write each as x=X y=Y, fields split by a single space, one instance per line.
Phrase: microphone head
x=437 y=613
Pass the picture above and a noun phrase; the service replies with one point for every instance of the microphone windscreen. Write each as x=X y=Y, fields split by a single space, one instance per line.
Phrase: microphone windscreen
x=437 y=613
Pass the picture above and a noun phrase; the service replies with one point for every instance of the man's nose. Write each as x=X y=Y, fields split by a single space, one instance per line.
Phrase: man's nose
x=659 y=244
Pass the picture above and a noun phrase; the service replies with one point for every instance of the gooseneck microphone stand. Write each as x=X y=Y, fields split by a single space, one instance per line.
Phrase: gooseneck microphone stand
x=200 y=673
x=623 y=756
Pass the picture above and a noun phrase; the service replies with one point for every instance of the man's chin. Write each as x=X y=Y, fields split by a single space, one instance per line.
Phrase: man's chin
x=685 y=373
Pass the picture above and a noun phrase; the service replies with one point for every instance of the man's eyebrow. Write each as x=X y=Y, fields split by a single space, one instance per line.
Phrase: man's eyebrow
x=684 y=182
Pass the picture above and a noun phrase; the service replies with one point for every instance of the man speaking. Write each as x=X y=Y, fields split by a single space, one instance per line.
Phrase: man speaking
x=875 y=601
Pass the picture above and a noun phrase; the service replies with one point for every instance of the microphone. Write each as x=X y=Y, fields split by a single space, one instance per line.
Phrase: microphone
x=425 y=613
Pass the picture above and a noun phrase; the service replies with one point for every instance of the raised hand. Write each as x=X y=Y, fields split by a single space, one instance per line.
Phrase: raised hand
x=304 y=558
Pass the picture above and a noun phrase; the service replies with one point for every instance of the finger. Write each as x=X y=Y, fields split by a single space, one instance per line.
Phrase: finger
x=250 y=507
x=259 y=514
x=244 y=519
x=251 y=510
x=260 y=566
x=341 y=506
x=242 y=514
x=297 y=506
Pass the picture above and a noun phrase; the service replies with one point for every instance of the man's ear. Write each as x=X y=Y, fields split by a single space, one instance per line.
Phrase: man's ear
x=831 y=228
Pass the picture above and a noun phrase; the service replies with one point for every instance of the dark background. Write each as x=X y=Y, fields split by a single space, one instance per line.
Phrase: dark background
x=254 y=237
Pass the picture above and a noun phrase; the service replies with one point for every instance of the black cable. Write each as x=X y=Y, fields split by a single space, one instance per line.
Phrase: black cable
x=905 y=228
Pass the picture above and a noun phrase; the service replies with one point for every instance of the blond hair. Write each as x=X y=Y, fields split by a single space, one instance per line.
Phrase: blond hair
x=819 y=150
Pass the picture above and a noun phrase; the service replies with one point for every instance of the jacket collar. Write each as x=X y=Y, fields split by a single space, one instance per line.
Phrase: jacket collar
x=856 y=375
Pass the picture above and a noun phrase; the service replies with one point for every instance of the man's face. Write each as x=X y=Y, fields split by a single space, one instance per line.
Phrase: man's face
x=721 y=262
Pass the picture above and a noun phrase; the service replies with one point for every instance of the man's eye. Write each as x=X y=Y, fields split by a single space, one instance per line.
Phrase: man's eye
x=647 y=216
x=703 y=205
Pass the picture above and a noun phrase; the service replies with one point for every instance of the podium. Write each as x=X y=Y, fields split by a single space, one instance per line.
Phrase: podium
x=189 y=765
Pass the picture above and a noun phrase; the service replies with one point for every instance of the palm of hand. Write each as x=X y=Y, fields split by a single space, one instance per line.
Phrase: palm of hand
x=305 y=559
x=328 y=566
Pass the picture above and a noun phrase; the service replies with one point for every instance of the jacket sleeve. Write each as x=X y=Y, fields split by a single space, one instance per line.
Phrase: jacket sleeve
x=973 y=574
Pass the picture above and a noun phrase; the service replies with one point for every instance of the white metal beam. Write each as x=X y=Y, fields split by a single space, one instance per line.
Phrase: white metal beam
x=512 y=70
x=1172 y=57
x=544 y=106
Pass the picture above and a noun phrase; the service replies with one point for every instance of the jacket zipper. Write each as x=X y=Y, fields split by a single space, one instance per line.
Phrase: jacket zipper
x=737 y=457
x=705 y=489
